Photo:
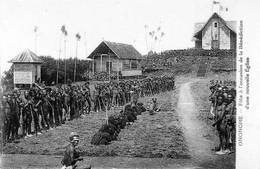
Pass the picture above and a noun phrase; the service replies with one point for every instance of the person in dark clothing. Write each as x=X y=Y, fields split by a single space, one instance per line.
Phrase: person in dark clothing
x=71 y=156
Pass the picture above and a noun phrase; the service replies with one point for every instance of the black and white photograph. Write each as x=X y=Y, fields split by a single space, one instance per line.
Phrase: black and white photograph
x=133 y=84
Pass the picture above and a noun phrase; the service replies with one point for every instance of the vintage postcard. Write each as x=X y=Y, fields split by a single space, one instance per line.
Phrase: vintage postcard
x=129 y=84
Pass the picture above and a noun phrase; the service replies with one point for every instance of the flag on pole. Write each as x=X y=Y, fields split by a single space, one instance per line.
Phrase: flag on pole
x=35 y=28
x=223 y=8
x=162 y=34
x=63 y=30
x=215 y=2
x=78 y=36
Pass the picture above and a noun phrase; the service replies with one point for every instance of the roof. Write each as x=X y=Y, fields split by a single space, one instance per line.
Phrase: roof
x=27 y=56
x=201 y=25
x=122 y=51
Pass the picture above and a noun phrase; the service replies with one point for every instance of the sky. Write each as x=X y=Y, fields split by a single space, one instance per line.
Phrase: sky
x=120 y=21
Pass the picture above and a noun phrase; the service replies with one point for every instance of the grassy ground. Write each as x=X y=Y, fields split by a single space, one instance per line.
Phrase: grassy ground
x=156 y=135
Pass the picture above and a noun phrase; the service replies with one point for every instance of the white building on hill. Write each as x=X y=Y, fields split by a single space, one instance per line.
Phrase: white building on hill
x=216 y=33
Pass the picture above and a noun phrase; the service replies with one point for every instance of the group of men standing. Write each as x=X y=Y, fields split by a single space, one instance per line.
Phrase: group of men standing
x=223 y=114
x=45 y=108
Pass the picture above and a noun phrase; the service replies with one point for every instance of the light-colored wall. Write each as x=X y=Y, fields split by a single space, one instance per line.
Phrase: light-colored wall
x=223 y=35
x=35 y=69
x=116 y=63
x=131 y=72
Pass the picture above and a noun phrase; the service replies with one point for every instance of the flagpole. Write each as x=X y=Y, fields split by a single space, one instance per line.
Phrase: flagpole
x=35 y=39
x=109 y=66
x=212 y=7
x=145 y=27
x=35 y=43
x=75 y=64
x=58 y=64
x=85 y=44
x=65 y=64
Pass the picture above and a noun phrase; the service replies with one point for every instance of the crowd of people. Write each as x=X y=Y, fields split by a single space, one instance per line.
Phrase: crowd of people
x=222 y=60
x=45 y=108
x=223 y=114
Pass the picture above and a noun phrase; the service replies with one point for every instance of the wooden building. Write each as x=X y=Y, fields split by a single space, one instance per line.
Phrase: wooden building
x=216 y=33
x=27 y=69
x=116 y=57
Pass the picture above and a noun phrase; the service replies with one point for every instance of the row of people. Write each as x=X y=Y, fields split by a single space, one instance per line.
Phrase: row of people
x=223 y=114
x=116 y=122
x=44 y=109
x=226 y=82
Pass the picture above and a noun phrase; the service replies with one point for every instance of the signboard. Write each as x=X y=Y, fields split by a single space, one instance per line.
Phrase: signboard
x=23 y=77
x=23 y=67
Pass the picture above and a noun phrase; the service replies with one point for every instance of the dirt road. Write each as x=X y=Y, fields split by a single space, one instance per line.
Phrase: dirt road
x=199 y=146
x=200 y=136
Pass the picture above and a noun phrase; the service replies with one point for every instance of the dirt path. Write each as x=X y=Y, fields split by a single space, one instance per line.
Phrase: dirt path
x=199 y=146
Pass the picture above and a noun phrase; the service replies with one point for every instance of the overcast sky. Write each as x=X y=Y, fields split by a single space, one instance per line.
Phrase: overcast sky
x=112 y=20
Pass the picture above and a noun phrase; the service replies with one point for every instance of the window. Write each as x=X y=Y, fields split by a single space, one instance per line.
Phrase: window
x=216 y=37
x=134 y=64
x=126 y=64
x=215 y=24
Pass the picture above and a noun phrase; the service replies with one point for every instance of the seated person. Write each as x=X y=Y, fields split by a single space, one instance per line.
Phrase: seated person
x=71 y=156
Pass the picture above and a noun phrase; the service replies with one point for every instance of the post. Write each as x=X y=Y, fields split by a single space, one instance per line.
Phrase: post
x=145 y=27
x=93 y=64
x=118 y=64
x=35 y=39
x=212 y=7
x=109 y=66
x=86 y=44
x=65 y=64
x=35 y=43
x=101 y=62
x=58 y=64
x=75 y=65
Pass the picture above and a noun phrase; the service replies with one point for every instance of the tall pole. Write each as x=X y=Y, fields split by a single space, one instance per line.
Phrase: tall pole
x=35 y=43
x=35 y=39
x=93 y=64
x=75 y=65
x=145 y=27
x=212 y=7
x=101 y=67
x=65 y=64
x=58 y=64
x=118 y=64
x=86 y=52
x=109 y=66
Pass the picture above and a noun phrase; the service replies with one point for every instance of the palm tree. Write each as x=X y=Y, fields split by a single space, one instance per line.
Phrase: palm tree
x=75 y=66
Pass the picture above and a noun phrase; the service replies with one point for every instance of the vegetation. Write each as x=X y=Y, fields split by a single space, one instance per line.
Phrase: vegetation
x=49 y=71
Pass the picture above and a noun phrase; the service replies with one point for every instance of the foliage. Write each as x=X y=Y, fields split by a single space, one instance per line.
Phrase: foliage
x=49 y=71
x=7 y=79
x=183 y=61
x=50 y=65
